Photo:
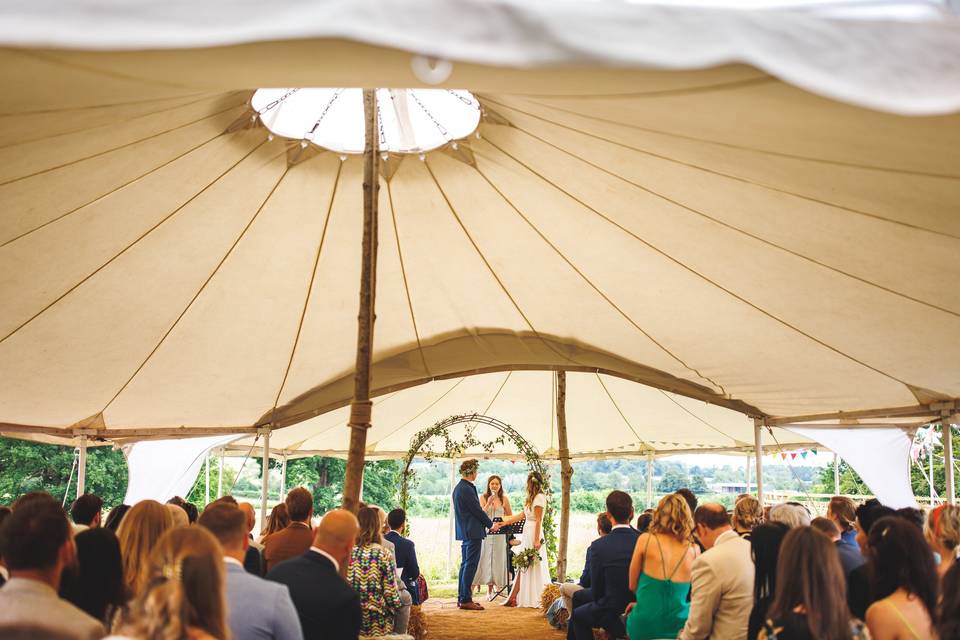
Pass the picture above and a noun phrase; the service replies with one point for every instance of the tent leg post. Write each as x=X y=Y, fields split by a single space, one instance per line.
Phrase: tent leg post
x=283 y=478
x=265 y=478
x=206 y=472
x=220 y=475
x=82 y=468
x=361 y=407
x=566 y=473
x=649 y=480
x=951 y=495
x=758 y=453
x=836 y=474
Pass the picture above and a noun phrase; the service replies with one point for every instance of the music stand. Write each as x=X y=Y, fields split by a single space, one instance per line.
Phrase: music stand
x=508 y=530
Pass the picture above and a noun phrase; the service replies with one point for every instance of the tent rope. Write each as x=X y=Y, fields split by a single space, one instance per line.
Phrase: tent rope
x=244 y=463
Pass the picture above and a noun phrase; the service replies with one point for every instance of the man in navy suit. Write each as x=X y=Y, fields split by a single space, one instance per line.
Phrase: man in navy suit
x=406 y=553
x=472 y=524
x=609 y=575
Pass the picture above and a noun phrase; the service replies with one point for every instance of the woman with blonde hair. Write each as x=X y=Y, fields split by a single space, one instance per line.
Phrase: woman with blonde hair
x=943 y=534
x=529 y=583
x=373 y=574
x=183 y=597
x=747 y=514
x=139 y=531
x=661 y=579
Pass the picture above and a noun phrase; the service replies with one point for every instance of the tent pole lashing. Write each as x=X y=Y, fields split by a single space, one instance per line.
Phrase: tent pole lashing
x=361 y=407
x=566 y=474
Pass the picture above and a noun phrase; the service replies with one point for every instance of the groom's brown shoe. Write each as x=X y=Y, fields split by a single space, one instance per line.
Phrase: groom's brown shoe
x=472 y=606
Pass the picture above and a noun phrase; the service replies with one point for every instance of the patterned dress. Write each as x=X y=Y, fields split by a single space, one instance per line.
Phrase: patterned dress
x=372 y=573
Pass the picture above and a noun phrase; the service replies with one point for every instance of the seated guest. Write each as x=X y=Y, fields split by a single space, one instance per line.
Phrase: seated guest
x=188 y=507
x=253 y=560
x=183 y=594
x=689 y=496
x=913 y=516
x=858 y=582
x=790 y=514
x=943 y=534
x=903 y=582
x=328 y=608
x=371 y=573
x=643 y=521
x=85 y=512
x=95 y=582
x=849 y=554
x=765 y=545
x=402 y=617
x=746 y=515
x=721 y=580
x=296 y=538
x=843 y=512
x=810 y=602
x=609 y=575
x=567 y=589
x=406 y=552
x=116 y=516
x=179 y=515
x=276 y=521
x=660 y=575
x=37 y=543
x=257 y=609
x=948 y=618
x=140 y=530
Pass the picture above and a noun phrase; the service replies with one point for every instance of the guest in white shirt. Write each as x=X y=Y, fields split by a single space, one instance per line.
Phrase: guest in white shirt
x=37 y=543
x=257 y=609
x=721 y=580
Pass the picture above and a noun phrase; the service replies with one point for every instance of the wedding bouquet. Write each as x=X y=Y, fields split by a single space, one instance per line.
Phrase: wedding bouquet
x=526 y=559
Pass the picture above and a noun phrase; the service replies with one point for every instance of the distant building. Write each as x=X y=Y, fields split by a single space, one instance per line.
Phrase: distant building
x=733 y=487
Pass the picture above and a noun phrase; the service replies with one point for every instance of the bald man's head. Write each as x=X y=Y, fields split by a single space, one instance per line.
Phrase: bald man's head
x=180 y=517
x=337 y=534
x=248 y=511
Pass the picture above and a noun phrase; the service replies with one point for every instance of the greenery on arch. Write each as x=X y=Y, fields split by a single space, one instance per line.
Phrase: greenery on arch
x=437 y=441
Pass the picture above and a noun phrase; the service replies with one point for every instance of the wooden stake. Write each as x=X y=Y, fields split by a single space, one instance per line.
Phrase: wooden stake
x=566 y=473
x=361 y=407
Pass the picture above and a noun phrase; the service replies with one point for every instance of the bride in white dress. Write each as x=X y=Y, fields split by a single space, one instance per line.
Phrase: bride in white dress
x=530 y=582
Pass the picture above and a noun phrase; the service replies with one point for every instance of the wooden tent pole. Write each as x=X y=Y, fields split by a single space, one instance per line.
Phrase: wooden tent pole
x=361 y=407
x=566 y=473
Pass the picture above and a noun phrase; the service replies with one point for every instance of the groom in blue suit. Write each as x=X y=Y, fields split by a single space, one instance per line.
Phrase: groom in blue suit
x=472 y=524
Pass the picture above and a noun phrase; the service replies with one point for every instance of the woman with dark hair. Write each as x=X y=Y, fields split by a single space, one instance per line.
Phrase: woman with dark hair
x=903 y=582
x=765 y=541
x=115 y=517
x=810 y=603
x=949 y=619
x=492 y=570
x=95 y=583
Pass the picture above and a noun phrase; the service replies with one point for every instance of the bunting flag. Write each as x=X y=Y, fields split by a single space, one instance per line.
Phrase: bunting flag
x=803 y=454
x=793 y=456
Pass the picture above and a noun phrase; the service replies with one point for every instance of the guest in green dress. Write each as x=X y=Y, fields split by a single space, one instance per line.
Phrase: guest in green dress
x=660 y=573
x=372 y=573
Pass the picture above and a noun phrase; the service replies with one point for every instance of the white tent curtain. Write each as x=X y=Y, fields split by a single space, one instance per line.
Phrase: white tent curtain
x=880 y=456
x=161 y=469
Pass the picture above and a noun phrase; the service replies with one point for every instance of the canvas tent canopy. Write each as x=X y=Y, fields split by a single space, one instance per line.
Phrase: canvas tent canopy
x=778 y=239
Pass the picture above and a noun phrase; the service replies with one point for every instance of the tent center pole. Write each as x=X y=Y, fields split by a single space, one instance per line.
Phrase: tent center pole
x=951 y=496
x=566 y=474
x=361 y=407
x=82 y=468
x=265 y=477
x=758 y=453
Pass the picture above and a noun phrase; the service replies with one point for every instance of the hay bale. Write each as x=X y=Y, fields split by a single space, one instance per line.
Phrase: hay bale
x=418 y=623
x=550 y=593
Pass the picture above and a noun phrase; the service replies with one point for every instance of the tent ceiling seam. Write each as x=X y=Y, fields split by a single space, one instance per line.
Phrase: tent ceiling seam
x=616 y=406
x=306 y=301
x=112 y=191
x=736 y=178
x=200 y=291
x=732 y=227
x=129 y=246
x=780 y=154
x=112 y=123
x=15 y=114
x=592 y=285
x=702 y=276
x=406 y=284
x=490 y=268
x=123 y=146
x=661 y=93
